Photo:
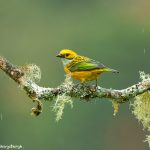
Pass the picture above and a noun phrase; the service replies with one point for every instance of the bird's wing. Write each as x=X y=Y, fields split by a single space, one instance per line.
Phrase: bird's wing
x=86 y=65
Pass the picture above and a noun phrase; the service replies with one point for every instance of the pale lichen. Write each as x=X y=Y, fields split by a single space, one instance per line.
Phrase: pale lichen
x=31 y=72
x=147 y=139
x=62 y=100
x=59 y=105
x=141 y=109
x=144 y=76
x=141 y=106
x=68 y=84
x=115 y=106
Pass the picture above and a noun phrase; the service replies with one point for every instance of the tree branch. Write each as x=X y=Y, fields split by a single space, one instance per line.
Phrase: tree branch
x=26 y=76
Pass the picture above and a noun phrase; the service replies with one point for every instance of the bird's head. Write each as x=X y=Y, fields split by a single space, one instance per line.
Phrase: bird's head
x=67 y=54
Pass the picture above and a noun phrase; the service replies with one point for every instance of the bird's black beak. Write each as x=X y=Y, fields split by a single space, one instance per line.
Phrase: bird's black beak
x=60 y=56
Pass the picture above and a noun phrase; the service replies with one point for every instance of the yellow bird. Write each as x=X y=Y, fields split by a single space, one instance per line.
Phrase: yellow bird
x=82 y=68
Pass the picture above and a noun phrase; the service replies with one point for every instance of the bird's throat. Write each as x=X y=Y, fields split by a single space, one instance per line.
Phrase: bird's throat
x=65 y=61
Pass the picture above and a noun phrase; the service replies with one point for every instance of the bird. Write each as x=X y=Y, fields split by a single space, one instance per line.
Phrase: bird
x=82 y=68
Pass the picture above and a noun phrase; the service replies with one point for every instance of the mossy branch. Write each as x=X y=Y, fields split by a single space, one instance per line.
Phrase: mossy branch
x=27 y=76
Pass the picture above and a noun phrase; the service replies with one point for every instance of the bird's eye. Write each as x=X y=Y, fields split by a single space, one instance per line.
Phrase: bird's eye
x=67 y=54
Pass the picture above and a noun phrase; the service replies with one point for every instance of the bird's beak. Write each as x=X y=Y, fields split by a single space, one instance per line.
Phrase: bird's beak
x=59 y=55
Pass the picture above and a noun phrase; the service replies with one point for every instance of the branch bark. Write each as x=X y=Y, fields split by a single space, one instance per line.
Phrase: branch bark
x=24 y=76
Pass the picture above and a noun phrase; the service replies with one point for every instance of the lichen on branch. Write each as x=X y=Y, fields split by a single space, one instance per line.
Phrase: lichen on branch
x=141 y=106
x=28 y=75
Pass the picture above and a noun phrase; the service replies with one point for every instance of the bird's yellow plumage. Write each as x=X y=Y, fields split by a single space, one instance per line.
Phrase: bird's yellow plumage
x=80 y=67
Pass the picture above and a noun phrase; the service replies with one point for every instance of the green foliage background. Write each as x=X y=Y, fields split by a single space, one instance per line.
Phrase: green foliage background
x=116 y=33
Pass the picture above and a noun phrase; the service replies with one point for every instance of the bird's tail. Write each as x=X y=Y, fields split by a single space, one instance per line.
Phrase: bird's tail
x=110 y=70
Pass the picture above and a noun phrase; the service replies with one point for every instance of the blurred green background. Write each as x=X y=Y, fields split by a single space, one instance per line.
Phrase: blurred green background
x=116 y=33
